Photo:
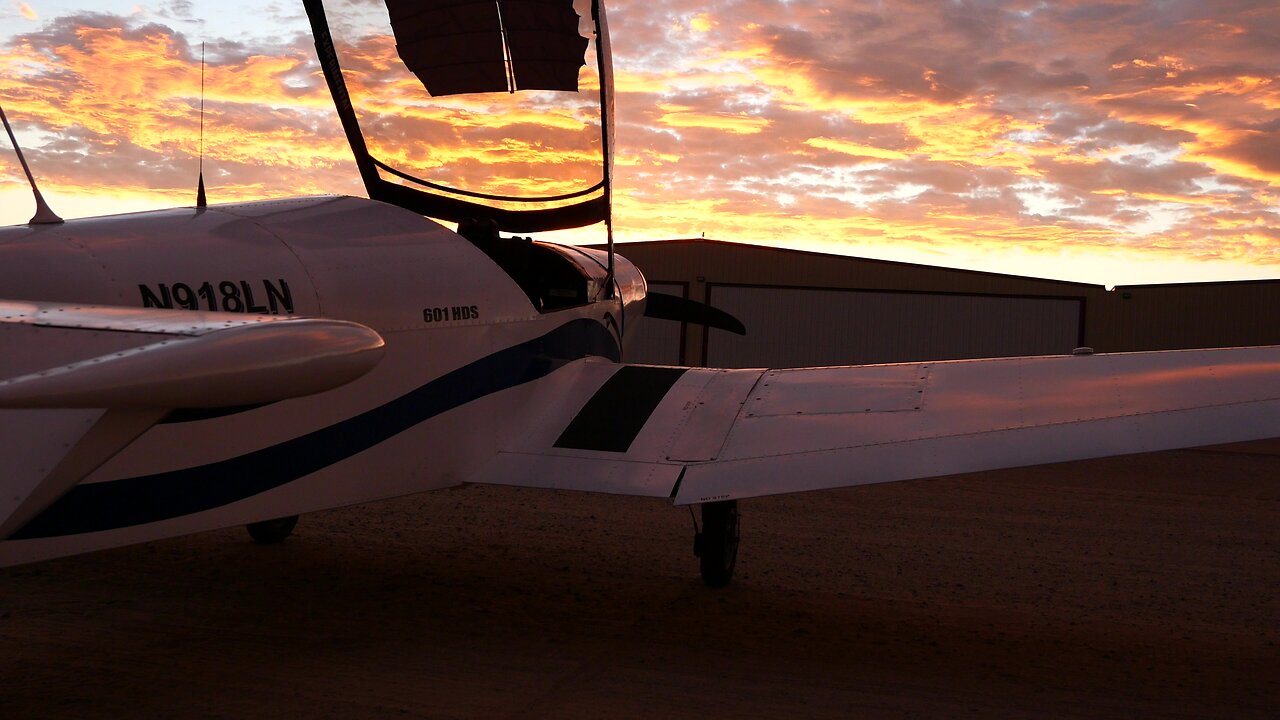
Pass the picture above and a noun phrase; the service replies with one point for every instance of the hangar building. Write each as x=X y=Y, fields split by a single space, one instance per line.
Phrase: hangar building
x=805 y=308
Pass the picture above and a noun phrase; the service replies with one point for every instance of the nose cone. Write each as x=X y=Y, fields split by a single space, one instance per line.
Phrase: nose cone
x=632 y=288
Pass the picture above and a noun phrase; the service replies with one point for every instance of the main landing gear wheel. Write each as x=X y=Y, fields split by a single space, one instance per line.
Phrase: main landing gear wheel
x=272 y=532
x=717 y=545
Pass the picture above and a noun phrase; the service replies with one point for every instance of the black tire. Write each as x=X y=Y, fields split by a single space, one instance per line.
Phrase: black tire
x=272 y=532
x=718 y=544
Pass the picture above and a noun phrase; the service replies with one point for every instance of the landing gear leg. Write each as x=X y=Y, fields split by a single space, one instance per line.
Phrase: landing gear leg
x=271 y=532
x=717 y=545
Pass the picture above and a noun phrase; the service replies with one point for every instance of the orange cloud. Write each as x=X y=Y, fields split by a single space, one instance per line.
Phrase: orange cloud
x=855 y=149
x=678 y=116
x=867 y=130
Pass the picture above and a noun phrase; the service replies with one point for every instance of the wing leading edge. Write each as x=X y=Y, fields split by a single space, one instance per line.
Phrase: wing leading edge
x=78 y=383
x=728 y=434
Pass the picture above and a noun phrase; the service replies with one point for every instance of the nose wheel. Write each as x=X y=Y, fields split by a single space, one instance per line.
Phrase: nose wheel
x=716 y=546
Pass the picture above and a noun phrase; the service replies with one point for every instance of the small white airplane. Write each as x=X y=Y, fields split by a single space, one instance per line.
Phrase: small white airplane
x=170 y=372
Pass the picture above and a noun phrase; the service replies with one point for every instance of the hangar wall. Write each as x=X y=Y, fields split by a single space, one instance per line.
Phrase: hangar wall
x=804 y=308
x=802 y=327
x=1189 y=315
x=658 y=342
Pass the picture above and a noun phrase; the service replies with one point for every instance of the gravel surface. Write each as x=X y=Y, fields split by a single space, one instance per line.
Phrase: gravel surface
x=1128 y=587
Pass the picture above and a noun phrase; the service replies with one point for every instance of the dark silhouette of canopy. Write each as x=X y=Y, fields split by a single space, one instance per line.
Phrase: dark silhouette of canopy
x=472 y=46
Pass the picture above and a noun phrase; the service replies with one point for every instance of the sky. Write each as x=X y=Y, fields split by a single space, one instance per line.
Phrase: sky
x=1123 y=142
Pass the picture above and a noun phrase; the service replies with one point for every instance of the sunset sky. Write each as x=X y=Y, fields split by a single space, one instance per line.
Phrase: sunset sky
x=1113 y=142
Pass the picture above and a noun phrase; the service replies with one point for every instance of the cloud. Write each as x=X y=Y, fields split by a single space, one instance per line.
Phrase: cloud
x=938 y=128
x=120 y=101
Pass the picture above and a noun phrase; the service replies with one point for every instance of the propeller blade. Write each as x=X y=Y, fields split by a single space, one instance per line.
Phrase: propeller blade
x=673 y=307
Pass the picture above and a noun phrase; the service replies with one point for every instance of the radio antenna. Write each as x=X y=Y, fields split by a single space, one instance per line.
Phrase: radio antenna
x=201 y=201
x=43 y=216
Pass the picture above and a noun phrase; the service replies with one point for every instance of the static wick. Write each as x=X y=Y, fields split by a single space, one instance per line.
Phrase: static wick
x=44 y=215
x=201 y=201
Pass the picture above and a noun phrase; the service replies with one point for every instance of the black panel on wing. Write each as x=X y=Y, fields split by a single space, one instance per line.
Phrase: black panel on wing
x=614 y=416
x=473 y=46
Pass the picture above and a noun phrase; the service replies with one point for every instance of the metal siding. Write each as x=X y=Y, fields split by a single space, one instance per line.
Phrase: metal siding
x=800 y=327
x=656 y=342
x=725 y=262
x=1155 y=317
x=1152 y=317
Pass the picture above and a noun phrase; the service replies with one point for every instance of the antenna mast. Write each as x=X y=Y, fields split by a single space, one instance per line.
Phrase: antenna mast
x=43 y=216
x=201 y=201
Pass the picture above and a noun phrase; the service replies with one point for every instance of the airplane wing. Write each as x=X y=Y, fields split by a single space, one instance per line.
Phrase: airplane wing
x=81 y=382
x=703 y=435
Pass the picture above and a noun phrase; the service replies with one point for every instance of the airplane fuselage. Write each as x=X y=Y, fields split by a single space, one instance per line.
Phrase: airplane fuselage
x=466 y=335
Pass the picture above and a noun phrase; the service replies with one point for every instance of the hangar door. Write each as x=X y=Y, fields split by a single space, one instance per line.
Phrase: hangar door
x=656 y=342
x=799 y=327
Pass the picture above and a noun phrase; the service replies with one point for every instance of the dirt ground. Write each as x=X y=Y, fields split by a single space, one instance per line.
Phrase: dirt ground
x=1128 y=587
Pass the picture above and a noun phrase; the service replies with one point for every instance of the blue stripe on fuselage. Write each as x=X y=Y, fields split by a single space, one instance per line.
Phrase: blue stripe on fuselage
x=122 y=503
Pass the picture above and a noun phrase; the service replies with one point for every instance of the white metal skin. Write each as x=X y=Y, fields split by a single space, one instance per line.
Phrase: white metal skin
x=203 y=360
x=464 y=380
x=731 y=434
x=137 y=364
x=441 y=306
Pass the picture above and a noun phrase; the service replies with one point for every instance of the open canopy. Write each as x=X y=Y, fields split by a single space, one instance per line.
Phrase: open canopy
x=458 y=47
x=468 y=46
